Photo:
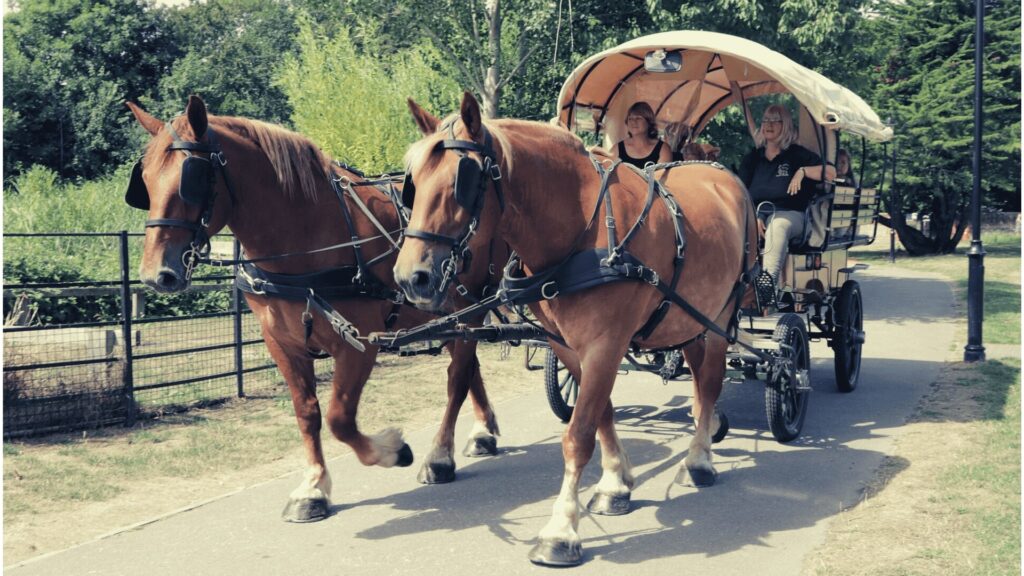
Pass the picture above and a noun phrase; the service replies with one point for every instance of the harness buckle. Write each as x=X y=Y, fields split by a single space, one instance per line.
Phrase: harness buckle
x=462 y=290
x=493 y=170
x=654 y=279
x=219 y=156
x=544 y=290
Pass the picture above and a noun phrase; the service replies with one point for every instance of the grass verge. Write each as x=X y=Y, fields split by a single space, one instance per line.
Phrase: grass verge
x=948 y=501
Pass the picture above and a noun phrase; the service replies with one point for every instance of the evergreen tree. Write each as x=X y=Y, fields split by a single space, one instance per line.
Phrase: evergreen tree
x=926 y=81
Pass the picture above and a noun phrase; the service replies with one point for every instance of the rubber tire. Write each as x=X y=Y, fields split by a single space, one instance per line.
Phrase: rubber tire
x=559 y=390
x=786 y=408
x=848 y=310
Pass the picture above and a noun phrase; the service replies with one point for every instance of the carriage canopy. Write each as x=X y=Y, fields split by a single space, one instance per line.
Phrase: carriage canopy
x=689 y=76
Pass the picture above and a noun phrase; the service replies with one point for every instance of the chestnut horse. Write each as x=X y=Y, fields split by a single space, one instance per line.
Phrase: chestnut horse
x=276 y=197
x=546 y=209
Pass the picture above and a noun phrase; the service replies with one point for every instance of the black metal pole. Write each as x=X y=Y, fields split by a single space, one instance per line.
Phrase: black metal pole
x=236 y=304
x=892 y=208
x=975 y=351
x=126 y=333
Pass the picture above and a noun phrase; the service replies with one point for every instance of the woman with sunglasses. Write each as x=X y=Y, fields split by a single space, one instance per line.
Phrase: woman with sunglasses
x=782 y=172
x=642 y=145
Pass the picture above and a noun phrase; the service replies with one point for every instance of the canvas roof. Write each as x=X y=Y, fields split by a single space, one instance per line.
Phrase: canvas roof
x=716 y=68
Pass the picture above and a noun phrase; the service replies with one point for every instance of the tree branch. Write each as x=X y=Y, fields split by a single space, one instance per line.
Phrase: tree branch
x=518 y=65
x=476 y=81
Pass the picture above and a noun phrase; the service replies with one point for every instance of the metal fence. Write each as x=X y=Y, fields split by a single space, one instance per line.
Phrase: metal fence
x=86 y=344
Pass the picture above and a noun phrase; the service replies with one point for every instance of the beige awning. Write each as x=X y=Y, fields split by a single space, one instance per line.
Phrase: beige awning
x=716 y=69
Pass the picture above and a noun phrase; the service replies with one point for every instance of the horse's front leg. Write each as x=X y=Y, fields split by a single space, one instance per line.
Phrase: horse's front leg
x=706 y=358
x=463 y=377
x=351 y=370
x=559 y=541
x=310 y=501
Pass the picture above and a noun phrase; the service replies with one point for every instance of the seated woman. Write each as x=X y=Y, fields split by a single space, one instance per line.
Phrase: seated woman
x=642 y=145
x=844 y=169
x=779 y=170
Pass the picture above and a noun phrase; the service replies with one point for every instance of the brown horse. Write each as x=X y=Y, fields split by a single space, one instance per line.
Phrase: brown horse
x=550 y=190
x=280 y=201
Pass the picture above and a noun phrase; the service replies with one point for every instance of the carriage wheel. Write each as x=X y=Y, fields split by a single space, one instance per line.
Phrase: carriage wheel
x=848 y=315
x=563 y=390
x=785 y=401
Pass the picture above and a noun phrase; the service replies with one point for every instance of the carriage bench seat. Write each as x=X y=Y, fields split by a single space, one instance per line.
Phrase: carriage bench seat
x=843 y=218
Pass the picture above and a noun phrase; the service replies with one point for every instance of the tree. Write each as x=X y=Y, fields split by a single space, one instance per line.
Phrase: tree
x=68 y=66
x=926 y=80
x=353 y=104
x=232 y=49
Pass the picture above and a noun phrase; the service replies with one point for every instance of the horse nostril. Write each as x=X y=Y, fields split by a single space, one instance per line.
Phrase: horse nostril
x=420 y=279
x=168 y=280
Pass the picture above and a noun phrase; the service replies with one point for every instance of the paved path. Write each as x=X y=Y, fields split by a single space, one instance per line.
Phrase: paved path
x=769 y=509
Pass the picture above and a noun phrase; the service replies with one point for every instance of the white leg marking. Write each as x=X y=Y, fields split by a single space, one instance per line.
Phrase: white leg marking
x=565 y=513
x=316 y=485
x=386 y=446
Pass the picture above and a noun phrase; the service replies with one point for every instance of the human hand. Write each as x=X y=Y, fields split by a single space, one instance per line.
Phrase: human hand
x=794 y=184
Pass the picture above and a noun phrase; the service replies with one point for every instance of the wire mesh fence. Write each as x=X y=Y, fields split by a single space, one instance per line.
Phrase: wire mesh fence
x=86 y=344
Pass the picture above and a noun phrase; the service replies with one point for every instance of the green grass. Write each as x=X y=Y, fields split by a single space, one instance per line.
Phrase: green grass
x=1002 y=303
x=981 y=484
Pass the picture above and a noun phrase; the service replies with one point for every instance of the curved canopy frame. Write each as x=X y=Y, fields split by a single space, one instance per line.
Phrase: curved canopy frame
x=716 y=70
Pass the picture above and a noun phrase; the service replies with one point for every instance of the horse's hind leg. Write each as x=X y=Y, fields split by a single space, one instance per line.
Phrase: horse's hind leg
x=612 y=494
x=310 y=501
x=463 y=377
x=706 y=358
x=351 y=370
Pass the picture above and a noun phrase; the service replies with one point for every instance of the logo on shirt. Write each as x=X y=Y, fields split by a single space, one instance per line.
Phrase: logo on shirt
x=783 y=171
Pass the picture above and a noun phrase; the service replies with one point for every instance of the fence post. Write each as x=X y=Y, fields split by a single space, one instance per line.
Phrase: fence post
x=126 y=332
x=236 y=303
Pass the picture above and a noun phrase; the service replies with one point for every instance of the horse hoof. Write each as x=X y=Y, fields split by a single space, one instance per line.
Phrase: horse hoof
x=306 y=510
x=696 y=477
x=723 y=429
x=482 y=446
x=404 y=456
x=436 y=473
x=609 y=504
x=557 y=553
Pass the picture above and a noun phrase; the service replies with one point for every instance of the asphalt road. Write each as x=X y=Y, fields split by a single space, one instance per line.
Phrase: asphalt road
x=770 y=507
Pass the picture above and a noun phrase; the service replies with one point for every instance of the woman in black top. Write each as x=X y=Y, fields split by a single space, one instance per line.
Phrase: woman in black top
x=642 y=145
x=779 y=171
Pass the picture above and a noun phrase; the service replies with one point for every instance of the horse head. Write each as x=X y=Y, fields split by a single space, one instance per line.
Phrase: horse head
x=450 y=176
x=176 y=182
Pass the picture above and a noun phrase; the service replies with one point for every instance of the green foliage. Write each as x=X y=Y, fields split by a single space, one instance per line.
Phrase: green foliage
x=925 y=79
x=218 y=37
x=68 y=66
x=353 y=104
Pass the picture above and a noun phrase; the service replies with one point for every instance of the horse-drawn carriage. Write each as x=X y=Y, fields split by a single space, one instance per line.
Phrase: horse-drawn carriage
x=320 y=272
x=688 y=78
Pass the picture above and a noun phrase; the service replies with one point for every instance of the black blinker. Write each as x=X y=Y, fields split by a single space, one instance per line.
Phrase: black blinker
x=467 y=183
x=408 y=191
x=137 y=196
x=196 y=180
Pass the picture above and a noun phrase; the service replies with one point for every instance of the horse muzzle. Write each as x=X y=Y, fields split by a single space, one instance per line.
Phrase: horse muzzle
x=167 y=274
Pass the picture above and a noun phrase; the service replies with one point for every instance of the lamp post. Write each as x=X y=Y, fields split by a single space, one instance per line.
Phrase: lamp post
x=975 y=351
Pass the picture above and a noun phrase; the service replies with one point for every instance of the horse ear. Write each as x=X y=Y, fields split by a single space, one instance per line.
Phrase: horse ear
x=425 y=121
x=470 y=112
x=196 y=112
x=145 y=119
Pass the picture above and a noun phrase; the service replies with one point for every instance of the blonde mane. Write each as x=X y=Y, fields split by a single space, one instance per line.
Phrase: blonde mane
x=296 y=161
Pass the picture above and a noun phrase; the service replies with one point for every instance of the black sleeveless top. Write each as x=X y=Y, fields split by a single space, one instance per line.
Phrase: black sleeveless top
x=651 y=158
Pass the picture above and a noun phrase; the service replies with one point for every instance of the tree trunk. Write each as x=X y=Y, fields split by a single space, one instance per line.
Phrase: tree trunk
x=947 y=223
x=492 y=92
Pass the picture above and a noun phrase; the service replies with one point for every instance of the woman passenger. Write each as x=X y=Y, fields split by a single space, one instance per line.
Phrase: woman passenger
x=780 y=171
x=642 y=145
